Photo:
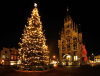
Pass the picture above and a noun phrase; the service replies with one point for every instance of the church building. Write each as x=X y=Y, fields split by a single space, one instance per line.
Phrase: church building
x=70 y=43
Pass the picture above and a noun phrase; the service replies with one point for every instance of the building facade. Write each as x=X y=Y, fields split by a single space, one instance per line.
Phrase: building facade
x=70 y=43
x=8 y=56
x=97 y=59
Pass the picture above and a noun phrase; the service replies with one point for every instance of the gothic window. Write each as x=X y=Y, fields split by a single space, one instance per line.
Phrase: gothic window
x=67 y=32
x=63 y=42
x=67 y=26
x=68 y=40
x=75 y=39
x=75 y=46
x=63 y=47
x=68 y=46
x=75 y=53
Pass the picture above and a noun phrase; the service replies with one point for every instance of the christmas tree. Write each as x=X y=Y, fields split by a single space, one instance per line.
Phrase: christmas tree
x=33 y=49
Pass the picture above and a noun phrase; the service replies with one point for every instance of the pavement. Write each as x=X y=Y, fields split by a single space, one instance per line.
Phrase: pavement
x=73 y=71
x=85 y=70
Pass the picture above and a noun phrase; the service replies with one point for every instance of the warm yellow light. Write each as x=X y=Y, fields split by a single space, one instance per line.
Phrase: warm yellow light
x=55 y=65
x=54 y=56
x=35 y=4
x=2 y=60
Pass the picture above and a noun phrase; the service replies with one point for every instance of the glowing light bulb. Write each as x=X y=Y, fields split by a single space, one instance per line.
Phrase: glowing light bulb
x=35 y=5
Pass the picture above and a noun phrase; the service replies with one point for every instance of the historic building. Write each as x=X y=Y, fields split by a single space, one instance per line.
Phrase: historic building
x=70 y=43
x=8 y=56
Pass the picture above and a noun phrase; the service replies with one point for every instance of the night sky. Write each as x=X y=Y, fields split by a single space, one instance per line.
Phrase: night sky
x=14 y=14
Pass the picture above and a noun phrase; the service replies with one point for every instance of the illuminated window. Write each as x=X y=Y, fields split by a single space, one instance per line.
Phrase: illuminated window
x=7 y=56
x=11 y=57
x=3 y=56
x=75 y=58
x=14 y=57
x=12 y=52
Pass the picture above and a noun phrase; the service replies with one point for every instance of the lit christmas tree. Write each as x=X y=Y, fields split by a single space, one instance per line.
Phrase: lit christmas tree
x=33 y=49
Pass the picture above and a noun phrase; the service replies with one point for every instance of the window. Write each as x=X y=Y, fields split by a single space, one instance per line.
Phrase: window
x=67 y=32
x=11 y=57
x=7 y=56
x=75 y=53
x=75 y=39
x=14 y=57
x=63 y=42
x=12 y=52
x=68 y=40
x=75 y=46
x=67 y=26
x=68 y=46
x=75 y=58
x=3 y=56
x=63 y=47
x=5 y=52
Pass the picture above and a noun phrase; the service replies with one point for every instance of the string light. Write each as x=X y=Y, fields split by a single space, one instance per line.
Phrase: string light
x=33 y=40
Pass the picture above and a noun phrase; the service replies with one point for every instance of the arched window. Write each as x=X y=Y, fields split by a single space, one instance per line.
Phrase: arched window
x=63 y=47
x=67 y=32
x=75 y=39
x=67 y=26
x=75 y=46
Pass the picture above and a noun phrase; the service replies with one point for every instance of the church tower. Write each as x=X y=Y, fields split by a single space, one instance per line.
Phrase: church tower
x=70 y=43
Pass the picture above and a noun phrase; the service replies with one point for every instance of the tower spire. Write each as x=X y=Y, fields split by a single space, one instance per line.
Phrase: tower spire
x=67 y=14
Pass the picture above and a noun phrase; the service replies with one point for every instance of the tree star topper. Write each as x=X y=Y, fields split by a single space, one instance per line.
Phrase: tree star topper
x=35 y=4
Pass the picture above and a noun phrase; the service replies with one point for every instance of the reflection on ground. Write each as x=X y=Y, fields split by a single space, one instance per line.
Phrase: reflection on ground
x=86 y=70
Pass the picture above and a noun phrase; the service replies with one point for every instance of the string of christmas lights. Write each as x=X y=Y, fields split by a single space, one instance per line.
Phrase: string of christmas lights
x=33 y=48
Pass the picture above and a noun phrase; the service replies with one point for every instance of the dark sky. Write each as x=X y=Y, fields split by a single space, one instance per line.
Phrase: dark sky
x=14 y=14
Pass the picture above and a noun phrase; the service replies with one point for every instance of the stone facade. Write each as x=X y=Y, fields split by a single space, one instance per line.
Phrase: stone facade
x=71 y=39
